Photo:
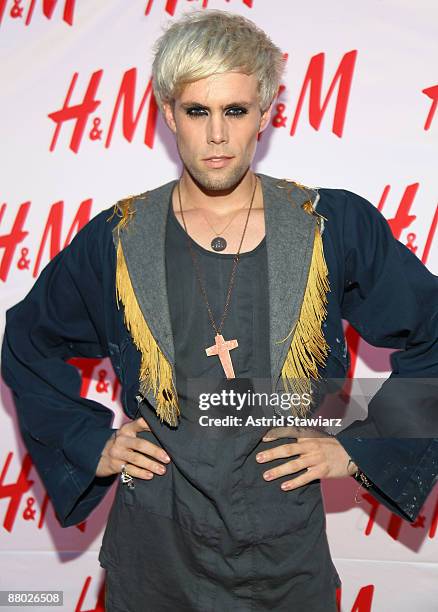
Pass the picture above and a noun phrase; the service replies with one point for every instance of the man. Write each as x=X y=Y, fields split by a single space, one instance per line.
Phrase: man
x=196 y=524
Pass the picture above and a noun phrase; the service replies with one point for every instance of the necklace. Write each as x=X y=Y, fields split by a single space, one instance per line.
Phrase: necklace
x=221 y=347
x=219 y=243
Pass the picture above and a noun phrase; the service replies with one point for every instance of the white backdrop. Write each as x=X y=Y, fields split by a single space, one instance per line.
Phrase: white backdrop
x=79 y=130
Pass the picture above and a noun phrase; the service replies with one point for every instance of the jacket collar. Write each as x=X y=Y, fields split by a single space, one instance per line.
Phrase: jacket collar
x=289 y=240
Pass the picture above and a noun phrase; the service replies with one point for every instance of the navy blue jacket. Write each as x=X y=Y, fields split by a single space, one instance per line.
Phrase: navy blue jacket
x=377 y=284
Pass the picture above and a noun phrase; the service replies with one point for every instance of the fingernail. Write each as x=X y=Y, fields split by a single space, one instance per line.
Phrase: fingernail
x=266 y=439
x=165 y=457
x=260 y=457
x=267 y=476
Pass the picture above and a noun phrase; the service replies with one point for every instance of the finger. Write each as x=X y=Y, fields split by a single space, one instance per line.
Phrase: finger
x=148 y=448
x=139 y=425
x=277 y=452
x=312 y=432
x=141 y=461
x=287 y=450
x=302 y=479
x=133 y=450
x=290 y=467
x=273 y=434
x=136 y=472
x=281 y=432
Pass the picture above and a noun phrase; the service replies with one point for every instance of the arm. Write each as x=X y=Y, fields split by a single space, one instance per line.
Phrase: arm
x=391 y=299
x=62 y=316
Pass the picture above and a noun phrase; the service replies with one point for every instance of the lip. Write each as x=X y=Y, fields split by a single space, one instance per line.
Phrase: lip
x=217 y=162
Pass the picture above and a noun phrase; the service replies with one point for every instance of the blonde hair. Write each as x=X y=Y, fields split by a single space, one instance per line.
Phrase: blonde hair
x=206 y=42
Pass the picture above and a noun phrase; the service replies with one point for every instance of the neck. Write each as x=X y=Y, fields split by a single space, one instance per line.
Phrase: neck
x=223 y=202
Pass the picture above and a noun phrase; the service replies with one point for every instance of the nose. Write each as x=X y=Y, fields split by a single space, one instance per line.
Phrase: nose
x=217 y=129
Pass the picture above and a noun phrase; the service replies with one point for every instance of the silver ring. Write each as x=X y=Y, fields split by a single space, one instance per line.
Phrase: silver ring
x=126 y=478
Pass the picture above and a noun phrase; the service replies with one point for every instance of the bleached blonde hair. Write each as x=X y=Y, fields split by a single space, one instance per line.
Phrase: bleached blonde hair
x=206 y=42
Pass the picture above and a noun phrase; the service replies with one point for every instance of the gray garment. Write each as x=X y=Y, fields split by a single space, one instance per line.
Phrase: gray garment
x=212 y=534
x=247 y=318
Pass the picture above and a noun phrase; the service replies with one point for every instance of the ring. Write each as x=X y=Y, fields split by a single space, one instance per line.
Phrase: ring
x=126 y=478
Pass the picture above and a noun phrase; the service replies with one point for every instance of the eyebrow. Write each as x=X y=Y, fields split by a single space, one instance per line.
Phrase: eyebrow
x=198 y=105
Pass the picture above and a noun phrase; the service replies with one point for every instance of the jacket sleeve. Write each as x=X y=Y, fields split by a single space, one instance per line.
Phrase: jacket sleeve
x=62 y=316
x=391 y=299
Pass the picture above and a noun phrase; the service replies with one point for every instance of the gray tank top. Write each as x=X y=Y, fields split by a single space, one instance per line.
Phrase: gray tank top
x=247 y=319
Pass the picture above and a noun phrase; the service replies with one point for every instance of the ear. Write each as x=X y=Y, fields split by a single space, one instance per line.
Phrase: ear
x=266 y=116
x=169 y=116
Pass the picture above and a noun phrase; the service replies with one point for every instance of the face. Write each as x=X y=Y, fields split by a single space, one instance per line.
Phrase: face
x=217 y=116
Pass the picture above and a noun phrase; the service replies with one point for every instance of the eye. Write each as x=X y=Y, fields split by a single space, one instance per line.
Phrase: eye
x=242 y=111
x=198 y=112
x=195 y=112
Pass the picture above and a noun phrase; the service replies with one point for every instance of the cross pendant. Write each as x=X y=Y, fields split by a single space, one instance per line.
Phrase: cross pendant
x=222 y=348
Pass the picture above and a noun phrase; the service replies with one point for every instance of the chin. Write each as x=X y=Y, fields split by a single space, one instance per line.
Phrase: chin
x=218 y=180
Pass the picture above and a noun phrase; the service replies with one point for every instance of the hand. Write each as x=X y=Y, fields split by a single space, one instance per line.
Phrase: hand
x=125 y=448
x=322 y=455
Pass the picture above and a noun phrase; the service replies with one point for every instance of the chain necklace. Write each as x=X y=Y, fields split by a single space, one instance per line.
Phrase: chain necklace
x=219 y=243
x=221 y=347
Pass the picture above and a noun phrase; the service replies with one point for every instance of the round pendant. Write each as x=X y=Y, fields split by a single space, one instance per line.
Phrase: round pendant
x=218 y=243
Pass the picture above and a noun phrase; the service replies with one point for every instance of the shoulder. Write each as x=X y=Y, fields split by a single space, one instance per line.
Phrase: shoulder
x=93 y=236
x=339 y=200
x=351 y=215
x=132 y=206
x=92 y=247
x=99 y=229
x=348 y=203
x=333 y=200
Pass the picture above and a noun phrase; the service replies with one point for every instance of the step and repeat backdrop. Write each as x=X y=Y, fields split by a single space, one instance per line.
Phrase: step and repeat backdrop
x=357 y=109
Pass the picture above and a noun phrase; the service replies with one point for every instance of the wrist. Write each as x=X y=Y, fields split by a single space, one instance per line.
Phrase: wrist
x=352 y=468
x=355 y=471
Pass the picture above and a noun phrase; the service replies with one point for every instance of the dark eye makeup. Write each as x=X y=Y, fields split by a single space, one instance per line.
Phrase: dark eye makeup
x=199 y=111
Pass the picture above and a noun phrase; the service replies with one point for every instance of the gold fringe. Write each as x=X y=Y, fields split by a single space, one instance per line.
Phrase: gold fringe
x=308 y=347
x=123 y=209
x=155 y=370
